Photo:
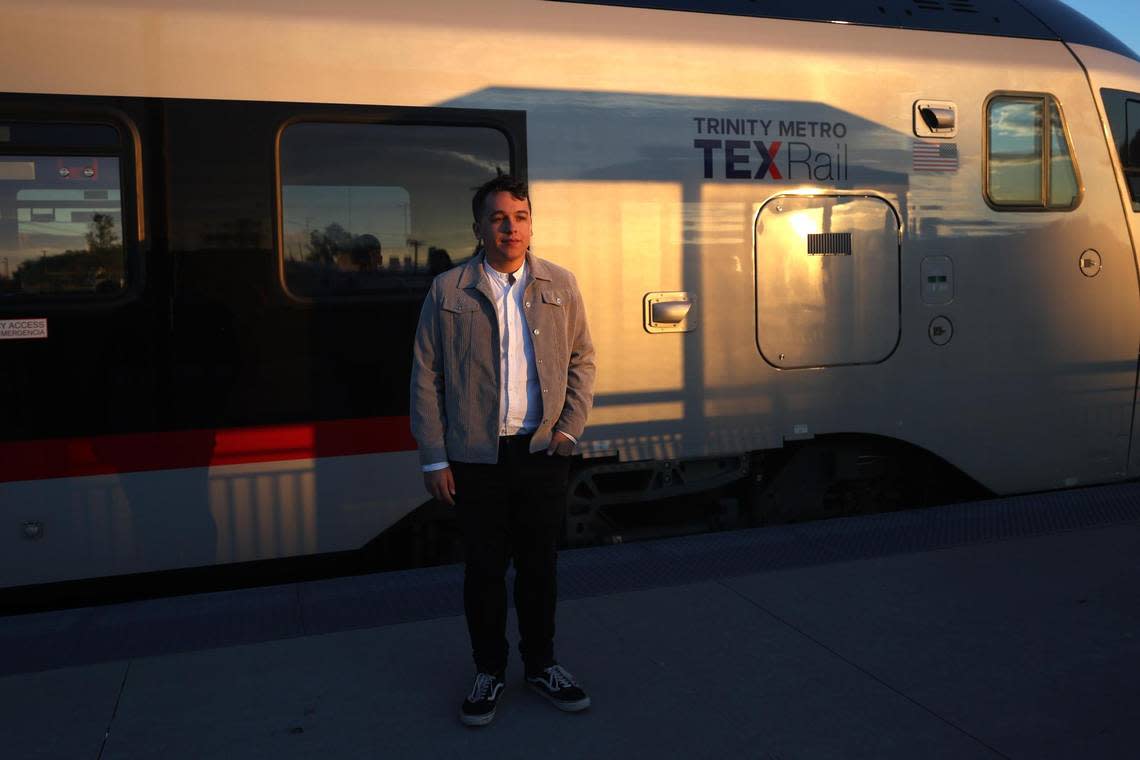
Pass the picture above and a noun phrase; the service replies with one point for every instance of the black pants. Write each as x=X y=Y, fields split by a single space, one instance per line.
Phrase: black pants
x=511 y=510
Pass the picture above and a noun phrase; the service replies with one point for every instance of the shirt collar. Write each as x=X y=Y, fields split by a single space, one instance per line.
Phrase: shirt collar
x=501 y=277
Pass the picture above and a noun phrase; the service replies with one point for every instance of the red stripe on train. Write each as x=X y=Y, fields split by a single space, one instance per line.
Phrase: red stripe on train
x=139 y=452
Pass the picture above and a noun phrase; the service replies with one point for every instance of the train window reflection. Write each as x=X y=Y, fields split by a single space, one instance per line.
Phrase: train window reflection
x=61 y=226
x=379 y=209
x=1123 y=109
x=1029 y=162
x=1015 y=152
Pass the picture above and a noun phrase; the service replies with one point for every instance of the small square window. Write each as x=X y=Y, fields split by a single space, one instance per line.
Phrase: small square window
x=1029 y=163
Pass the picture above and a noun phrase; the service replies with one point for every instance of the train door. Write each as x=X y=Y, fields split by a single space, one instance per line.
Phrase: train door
x=83 y=326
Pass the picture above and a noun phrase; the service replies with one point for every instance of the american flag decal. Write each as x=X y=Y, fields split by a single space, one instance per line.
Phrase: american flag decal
x=934 y=157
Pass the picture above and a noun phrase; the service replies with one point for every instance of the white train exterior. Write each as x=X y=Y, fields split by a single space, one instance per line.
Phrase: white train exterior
x=788 y=232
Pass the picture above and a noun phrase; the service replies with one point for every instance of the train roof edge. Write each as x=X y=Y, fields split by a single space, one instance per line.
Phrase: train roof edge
x=1077 y=28
x=1035 y=19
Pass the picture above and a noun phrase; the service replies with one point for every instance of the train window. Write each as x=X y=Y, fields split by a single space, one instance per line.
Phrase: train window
x=61 y=211
x=1123 y=109
x=377 y=210
x=1029 y=163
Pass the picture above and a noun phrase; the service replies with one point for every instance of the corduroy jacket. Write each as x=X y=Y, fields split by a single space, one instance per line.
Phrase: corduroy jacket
x=455 y=362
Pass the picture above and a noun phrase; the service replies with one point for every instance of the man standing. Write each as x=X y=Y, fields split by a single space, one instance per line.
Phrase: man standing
x=502 y=381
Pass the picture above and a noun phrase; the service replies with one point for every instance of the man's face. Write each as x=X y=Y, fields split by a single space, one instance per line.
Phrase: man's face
x=505 y=230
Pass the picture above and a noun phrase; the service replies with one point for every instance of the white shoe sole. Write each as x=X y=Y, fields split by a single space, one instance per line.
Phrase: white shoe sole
x=576 y=706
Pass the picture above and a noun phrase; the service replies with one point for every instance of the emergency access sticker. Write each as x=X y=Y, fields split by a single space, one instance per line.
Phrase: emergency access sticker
x=15 y=329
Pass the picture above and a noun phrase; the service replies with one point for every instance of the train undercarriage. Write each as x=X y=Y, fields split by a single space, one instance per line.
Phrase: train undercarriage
x=611 y=502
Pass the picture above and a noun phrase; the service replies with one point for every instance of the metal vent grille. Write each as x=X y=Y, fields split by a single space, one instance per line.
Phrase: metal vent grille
x=829 y=244
x=958 y=6
x=962 y=6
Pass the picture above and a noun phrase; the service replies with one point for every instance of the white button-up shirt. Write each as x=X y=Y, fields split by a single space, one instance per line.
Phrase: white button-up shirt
x=520 y=395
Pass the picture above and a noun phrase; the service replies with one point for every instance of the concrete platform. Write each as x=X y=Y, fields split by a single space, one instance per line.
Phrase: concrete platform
x=997 y=629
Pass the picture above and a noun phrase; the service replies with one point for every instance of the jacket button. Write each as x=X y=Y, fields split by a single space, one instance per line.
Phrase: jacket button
x=544 y=390
x=528 y=304
x=536 y=331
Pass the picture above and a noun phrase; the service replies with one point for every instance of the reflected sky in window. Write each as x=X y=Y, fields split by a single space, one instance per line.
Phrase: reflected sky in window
x=380 y=208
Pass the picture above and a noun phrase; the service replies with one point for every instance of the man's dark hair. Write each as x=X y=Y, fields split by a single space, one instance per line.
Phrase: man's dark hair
x=504 y=183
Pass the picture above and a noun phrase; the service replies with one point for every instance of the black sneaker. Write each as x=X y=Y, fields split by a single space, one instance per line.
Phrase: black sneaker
x=556 y=684
x=479 y=707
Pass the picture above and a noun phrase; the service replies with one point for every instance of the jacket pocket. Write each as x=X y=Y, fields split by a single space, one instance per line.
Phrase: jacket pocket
x=458 y=304
x=456 y=314
x=553 y=298
x=554 y=311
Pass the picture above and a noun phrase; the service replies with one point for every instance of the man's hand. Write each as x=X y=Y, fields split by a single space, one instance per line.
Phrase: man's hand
x=441 y=485
x=560 y=444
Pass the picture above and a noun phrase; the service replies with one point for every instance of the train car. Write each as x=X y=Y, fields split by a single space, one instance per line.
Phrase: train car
x=828 y=250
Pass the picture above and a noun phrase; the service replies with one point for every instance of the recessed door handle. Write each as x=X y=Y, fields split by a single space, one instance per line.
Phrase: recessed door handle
x=937 y=118
x=670 y=312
